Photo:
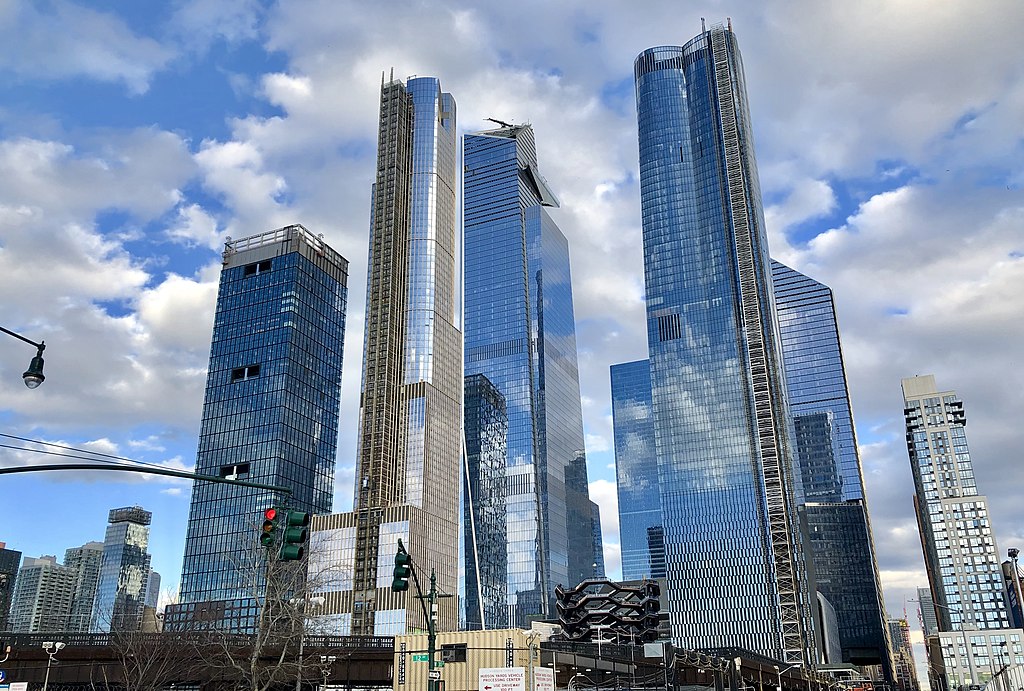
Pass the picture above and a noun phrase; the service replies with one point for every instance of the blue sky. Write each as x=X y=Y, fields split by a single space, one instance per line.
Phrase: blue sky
x=136 y=137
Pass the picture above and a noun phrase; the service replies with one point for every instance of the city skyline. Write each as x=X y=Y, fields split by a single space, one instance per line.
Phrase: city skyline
x=860 y=171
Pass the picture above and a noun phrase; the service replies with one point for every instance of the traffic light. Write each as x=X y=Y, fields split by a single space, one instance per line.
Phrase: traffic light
x=295 y=535
x=268 y=534
x=403 y=569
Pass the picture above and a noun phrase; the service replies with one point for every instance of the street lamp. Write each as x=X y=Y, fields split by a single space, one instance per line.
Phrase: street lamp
x=967 y=645
x=303 y=603
x=51 y=649
x=778 y=672
x=33 y=376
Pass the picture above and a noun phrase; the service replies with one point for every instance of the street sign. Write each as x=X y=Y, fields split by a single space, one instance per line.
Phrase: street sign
x=502 y=679
x=434 y=674
x=420 y=657
x=543 y=679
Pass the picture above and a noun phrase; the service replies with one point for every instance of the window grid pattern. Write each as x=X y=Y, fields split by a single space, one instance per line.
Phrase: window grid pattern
x=279 y=427
x=520 y=334
x=641 y=534
x=841 y=545
x=412 y=371
x=720 y=418
x=963 y=565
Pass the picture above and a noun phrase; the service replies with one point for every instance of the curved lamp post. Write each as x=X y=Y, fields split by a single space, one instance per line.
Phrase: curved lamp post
x=967 y=646
x=778 y=672
x=33 y=376
x=51 y=649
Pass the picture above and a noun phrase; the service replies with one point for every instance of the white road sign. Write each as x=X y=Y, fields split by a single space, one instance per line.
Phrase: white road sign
x=543 y=679
x=502 y=679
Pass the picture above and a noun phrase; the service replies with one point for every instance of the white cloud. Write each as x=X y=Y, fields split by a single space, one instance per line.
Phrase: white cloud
x=91 y=44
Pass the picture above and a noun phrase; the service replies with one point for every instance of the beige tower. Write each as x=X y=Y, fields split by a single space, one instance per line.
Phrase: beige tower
x=407 y=471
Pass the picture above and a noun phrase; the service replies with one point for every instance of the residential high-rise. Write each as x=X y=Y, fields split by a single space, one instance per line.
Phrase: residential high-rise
x=407 y=470
x=10 y=559
x=956 y=533
x=840 y=545
x=85 y=561
x=270 y=413
x=521 y=335
x=641 y=534
x=121 y=590
x=485 y=535
x=42 y=596
x=734 y=567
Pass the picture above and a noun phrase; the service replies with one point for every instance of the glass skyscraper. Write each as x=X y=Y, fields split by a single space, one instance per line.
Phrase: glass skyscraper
x=734 y=568
x=124 y=568
x=270 y=414
x=641 y=534
x=521 y=335
x=840 y=542
x=960 y=553
x=483 y=506
x=10 y=560
x=86 y=562
x=407 y=468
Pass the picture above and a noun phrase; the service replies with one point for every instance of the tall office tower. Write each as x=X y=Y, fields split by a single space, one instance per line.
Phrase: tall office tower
x=521 y=335
x=152 y=598
x=408 y=459
x=960 y=553
x=483 y=506
x=42 y=596
x=722 y=426
x=85 y=561
x=10 y=559
x=903 y=654
x=841 y=544
x=929 y=624
x=641 y=534
x=270 y=414
x=121 y=590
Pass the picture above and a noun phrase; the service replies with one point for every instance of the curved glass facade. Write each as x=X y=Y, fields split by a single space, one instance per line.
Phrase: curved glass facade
x=725 y=465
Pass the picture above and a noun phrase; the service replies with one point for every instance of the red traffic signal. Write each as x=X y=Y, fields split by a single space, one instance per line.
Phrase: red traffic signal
x=267 y=536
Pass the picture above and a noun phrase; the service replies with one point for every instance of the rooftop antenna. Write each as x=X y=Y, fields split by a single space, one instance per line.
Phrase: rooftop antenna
x=703 y=29
x=500 y=122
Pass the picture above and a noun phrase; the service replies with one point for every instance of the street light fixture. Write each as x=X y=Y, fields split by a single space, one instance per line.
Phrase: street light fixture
x=33 y=376
x=51 y=649
x=778 y=672
x=967 y=646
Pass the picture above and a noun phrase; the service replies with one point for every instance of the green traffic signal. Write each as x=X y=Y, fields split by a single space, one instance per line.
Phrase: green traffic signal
x=295 y=535
x=403 y=569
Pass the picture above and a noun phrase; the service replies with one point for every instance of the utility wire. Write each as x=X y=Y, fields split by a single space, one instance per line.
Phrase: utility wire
x=96 y=456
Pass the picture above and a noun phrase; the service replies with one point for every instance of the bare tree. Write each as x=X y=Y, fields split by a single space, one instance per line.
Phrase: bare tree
x=258 y=650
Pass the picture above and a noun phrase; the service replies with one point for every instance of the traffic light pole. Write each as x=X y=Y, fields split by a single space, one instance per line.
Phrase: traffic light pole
x=403 y=568
x=431 y=597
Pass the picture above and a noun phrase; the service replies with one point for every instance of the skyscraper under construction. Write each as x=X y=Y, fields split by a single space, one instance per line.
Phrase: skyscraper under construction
x=407 y=470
